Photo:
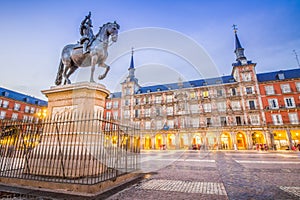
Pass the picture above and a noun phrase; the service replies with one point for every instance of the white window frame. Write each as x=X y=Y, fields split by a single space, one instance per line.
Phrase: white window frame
x=221 y=106
x=147 y=125
x=194 y=108
x=236 y=105
x=169 y=110
x=14 y=116
x=269 y=89
x=2 y=114
x=5 y=104
x=272 y=102
x=293 y=117
x=169 y=98
x=285 y=88
x=115 y=104
x=108 y=105
x=298 y=86
x=289 y=102
x=207 y=107
x=254 y=119
x=157 y=99
x=277 y=119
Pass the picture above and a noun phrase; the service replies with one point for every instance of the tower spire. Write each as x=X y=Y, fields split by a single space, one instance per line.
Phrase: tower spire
x=239 y=50
x=131 y=69
x=131 y=62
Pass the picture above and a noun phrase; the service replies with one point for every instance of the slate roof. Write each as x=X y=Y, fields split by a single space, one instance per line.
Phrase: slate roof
x=273 y=76
x=21 y=97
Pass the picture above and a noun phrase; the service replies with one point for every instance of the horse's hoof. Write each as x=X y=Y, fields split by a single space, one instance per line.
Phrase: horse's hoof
x=101 y=77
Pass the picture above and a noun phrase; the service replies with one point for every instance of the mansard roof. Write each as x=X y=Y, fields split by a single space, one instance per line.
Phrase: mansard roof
x=21 y=97
x=187 y=84
x=278 y=75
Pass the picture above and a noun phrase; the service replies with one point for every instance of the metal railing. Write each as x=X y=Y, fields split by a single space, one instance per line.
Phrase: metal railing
x=70 y=148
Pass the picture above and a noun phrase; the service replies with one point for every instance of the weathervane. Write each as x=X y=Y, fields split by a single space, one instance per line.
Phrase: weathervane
x=234 y=28
x=296 y=57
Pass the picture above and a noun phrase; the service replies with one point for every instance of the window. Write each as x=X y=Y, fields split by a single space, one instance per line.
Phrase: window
x=223 y=121
x=277 y=119
x=147 y=99
x=194 y=108
x=269 y=89
x=158 y=112
x=147 y=125
x=205 y=94
x=126 y=114
x=116 y=115
x=249 y=90
x=126 y=102
x=137 y=101
x=1 y=102
x=289 y=102
x=285 y=88
x=17 y=106
x=5 y=104
x=159 y=124
x=233 y=91
x=298 y=86
x=25 y=118
x=136 y=113
x=207 y=107
x=220 y=92
x=235 y=105
x=192 y=95
x=147 y=112
x=254 y=119
x=246 y=77
x=115 y=104
x=221 y=106
x=293 y=117
x=169 y=98
x=171 y=123
x=127 y=91
x=27 y=109
x=14 y=116
x=208 y=122
x=32 y=109
x=169 y=110
x=251 y=105
x=273 y=103
x=238 y=120
x=195 y=122
x=2 y=114
x=108 y=105
x=108 y=115
x=158 y=99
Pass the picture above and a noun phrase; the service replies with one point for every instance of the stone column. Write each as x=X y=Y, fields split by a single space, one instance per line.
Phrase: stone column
x=289 y=138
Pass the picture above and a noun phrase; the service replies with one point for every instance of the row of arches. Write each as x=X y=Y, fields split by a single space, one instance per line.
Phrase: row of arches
x=212 y=140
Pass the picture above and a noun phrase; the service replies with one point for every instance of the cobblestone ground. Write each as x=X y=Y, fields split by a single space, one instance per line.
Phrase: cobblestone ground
x=217 y=175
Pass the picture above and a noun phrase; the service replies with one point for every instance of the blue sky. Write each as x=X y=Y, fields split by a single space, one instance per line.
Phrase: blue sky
x=34 y=32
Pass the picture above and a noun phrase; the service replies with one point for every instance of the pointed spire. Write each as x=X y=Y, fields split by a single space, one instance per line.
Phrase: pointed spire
x=131 y=62
x=239 y=50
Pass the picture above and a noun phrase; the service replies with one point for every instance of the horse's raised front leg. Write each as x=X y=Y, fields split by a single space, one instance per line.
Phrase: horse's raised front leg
x=107 y=68
x=93 y=64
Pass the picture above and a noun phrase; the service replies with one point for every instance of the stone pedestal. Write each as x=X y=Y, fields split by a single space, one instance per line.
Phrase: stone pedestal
x=82 y=97
x=72 y=141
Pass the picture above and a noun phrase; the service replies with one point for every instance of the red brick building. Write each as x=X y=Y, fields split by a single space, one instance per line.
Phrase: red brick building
x=18 y=106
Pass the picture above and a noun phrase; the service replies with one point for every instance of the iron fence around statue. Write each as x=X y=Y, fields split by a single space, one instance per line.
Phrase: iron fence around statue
x=69 y=148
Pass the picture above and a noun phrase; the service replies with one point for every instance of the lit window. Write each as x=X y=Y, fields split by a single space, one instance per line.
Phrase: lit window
x=192 y=95
x=205 y=94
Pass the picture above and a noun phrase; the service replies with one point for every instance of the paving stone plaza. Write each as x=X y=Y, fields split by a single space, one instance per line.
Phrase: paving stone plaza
x=217 y=175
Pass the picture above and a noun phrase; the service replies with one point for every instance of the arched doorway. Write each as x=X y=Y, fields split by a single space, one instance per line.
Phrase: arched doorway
x=147 y=144
x=171 y=144
x=211 y=141
x=295 y=137
x=241 y=140
x=226 y=141
x=158 y=141
x=258 y=138
x=196 y=141
x=184 y=142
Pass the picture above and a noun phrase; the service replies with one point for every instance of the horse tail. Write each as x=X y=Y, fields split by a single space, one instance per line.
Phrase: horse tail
x=59 y=73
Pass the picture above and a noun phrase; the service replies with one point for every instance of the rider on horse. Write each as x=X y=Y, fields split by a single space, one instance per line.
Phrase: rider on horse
x=87 y=33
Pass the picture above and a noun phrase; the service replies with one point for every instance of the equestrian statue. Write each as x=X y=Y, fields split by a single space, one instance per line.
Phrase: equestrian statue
x=91 y=50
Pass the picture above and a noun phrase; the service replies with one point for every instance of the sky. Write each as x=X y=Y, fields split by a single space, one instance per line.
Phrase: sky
x=34 y=33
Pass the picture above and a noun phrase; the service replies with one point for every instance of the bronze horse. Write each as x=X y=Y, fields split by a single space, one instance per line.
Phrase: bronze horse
x=72 y=56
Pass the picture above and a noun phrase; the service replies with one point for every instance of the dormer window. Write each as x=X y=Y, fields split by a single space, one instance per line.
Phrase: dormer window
x=280 y=76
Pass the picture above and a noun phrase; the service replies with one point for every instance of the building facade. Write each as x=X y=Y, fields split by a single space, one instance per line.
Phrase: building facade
x=20 y=107
x=237 y=111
